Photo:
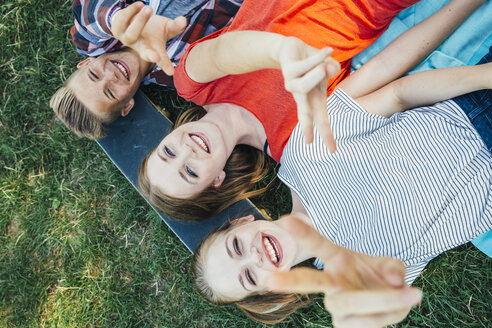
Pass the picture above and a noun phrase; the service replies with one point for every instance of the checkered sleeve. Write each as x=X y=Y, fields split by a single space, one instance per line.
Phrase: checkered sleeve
x=206 y=19
x=91 y=33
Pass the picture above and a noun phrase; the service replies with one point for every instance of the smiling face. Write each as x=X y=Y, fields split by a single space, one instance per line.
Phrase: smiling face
x=106 y=84
x=189 y=159
x=238 y=261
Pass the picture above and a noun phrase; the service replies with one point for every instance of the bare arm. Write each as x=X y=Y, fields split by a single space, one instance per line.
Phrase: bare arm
x=409 y=49
x=305 y=70
x=246 y=51
x=233 y=53
x=360 y=290
x=427 y=88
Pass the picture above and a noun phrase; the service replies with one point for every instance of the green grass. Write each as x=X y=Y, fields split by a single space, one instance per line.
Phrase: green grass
x=80 y=248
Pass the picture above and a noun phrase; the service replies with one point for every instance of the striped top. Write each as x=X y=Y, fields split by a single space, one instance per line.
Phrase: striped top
x=92 y=36
x=411 y=186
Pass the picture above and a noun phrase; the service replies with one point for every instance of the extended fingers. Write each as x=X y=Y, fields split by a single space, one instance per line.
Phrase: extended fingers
x=165 y=64
x=300 y=280
x=370 y=321
x=122 y=18
x=301 y=67
x=367 y=302
x=176 y=26
x=136 y=26
x=305 y=116
x=306 y=82
x=322 y=122
x=332 y=67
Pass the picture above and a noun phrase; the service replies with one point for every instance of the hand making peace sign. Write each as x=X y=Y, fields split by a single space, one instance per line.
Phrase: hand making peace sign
x=360 y=290
x=138 y=28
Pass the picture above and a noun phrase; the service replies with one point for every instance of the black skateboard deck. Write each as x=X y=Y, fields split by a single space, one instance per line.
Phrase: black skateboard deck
x=129 y=139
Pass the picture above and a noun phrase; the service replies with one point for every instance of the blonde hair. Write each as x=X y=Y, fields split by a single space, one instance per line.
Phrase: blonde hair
x=244 y=168
x=268 y=308
x=76 y=116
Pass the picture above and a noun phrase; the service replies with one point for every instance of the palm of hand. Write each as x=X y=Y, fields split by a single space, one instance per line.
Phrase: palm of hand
x=138 y=28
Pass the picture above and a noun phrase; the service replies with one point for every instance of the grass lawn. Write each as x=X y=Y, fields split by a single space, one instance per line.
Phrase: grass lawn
x=80 y=248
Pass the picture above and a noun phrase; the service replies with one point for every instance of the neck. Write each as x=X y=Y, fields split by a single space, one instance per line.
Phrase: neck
x=238 y=124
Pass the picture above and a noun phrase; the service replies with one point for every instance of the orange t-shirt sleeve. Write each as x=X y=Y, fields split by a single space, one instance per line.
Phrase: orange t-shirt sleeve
x=184 y=84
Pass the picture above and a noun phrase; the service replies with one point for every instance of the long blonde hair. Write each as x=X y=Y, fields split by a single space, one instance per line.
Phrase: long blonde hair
x=267 y=307
x=244 y=168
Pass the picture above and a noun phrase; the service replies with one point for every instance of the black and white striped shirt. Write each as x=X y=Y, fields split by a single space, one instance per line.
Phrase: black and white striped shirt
x=411 y=186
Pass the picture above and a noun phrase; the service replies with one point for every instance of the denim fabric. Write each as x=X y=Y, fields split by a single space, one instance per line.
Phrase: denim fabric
x=478 y=107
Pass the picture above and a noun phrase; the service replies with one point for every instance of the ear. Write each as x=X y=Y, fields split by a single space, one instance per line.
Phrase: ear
x=128 y=107
x=219 y=179
x=85 y=62
x=245 y=219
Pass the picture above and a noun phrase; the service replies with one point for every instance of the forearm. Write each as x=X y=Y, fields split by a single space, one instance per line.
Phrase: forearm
x=426 y=88
x=233 y=53
x=409 y=49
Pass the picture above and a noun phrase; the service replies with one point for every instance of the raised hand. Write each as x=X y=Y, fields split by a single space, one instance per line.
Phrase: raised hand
x=138 y=28
x=360 y=290
x=306 y=71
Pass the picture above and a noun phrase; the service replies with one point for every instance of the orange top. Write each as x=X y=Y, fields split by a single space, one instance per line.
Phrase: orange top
x=348 y=26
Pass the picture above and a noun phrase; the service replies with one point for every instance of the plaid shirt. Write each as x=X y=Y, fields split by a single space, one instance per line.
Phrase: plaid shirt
x=92 y=35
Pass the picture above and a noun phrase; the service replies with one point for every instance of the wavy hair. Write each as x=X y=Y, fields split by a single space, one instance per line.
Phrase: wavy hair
x=268 y=308
x=244 y=168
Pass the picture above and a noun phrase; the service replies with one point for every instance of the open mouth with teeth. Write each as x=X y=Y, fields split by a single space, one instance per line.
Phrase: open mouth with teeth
x=272 y=249
x=122 y=68
x=200 y=141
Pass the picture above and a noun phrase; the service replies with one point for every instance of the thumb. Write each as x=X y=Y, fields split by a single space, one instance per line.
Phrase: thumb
x=176 y=26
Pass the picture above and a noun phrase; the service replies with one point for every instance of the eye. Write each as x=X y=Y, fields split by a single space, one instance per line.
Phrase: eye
x=169 y=152
x=250 y=278
x=94 y=75
x=111 y=94
x=191 y=173
x=235 y=243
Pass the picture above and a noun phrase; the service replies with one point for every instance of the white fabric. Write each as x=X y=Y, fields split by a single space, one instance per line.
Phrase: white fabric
x=411 y=186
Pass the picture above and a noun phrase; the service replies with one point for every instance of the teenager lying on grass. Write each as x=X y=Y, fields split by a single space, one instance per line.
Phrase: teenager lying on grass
x=197 y=170
x=102 y=87
x=237 y=80
x=409 y=185
x=247 y=262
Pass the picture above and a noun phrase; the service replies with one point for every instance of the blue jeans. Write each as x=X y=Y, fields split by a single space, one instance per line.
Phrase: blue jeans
x=478 y=107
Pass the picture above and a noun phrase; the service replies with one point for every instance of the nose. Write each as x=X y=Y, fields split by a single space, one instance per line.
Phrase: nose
x=256 y=256
x=109 y=75
x=105 y=72
x=190 y=146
